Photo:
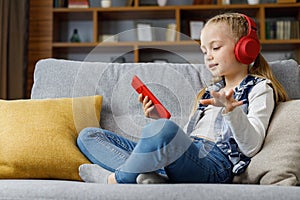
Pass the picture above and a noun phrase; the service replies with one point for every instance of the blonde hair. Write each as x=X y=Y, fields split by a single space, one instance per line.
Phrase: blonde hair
x=239 y=28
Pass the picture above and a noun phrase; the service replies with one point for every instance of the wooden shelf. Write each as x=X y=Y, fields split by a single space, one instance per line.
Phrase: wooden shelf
x=179 y=14
x=182 y=7
x=291 y=41
x=93 y=44
x=69 y=44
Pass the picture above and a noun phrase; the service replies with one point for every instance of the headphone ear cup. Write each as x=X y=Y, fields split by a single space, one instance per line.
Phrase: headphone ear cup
x=247 y=49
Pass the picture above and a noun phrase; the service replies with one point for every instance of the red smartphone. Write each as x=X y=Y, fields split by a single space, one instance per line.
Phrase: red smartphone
x=140 y=87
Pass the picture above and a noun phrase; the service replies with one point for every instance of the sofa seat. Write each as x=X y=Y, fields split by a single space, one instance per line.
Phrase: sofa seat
x=54 y=189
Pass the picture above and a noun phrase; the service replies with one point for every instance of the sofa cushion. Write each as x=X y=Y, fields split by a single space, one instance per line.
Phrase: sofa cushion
x=38 y=137
x=278 y=162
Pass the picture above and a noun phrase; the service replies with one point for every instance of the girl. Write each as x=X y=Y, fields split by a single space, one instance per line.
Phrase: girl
x=226 y=129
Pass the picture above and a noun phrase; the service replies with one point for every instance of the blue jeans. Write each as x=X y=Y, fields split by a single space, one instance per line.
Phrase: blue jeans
x=163 y=147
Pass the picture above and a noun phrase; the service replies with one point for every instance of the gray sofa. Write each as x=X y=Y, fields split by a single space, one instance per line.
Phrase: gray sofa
x=274 y=173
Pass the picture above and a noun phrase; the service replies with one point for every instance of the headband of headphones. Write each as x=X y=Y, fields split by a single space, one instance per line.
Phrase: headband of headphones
x=252 y=28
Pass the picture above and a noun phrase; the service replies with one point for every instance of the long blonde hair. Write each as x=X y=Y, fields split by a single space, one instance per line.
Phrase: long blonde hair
x=239 y=28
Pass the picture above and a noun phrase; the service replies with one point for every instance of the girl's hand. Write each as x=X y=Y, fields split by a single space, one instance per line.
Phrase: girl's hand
x=149 y=109
x=222 y=99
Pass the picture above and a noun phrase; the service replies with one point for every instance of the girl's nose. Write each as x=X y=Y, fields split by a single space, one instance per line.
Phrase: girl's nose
x=209 y=56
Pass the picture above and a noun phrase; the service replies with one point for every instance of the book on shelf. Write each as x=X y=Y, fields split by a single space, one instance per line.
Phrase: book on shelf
x=144 y=32
x=148 y=3
x=195 y=29
x=129 y=2
x=286 y=1
x=198 y=2
x=60 y=3
x=94 y=3
x=282 y=29
x=171 y=32
x=78 y=4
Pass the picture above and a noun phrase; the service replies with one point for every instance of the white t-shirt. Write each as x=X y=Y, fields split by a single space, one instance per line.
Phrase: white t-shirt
x=249 y=130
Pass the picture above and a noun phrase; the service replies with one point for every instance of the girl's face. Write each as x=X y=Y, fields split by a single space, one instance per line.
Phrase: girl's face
x=217 y=44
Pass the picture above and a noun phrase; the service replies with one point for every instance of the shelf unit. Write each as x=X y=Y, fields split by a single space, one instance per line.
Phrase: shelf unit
x=97 y=21
x=102 y=20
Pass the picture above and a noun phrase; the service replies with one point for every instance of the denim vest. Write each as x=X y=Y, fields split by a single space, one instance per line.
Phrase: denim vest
x=225 y=140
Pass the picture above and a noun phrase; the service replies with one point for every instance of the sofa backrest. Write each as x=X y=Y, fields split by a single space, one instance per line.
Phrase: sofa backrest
x=175 y=85
x=288 y=74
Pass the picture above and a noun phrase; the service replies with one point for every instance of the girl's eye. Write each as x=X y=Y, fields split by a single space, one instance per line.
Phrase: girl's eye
x=216 y=48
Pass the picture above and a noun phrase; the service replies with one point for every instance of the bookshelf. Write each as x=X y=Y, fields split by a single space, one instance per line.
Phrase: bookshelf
x=121 y=20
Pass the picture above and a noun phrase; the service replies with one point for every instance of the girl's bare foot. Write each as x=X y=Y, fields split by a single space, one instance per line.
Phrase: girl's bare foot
x=111 y=179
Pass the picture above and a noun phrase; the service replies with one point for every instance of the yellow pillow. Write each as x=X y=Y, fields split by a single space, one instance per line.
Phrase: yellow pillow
x=38 y=137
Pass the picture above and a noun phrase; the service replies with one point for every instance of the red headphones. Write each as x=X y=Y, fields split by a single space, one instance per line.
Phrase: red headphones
x=248 y=47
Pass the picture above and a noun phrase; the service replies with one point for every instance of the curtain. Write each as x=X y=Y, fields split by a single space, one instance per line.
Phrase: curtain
x=13 y=45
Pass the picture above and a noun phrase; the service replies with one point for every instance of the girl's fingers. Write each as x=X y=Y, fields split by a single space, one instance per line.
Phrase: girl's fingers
x=229 y=94
x=222 y=99
x=140 y=98
x=145 y=101
x=238 y=103
x=215 y=94
x=148 y=105
x=207 y=101
x=148 y=111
